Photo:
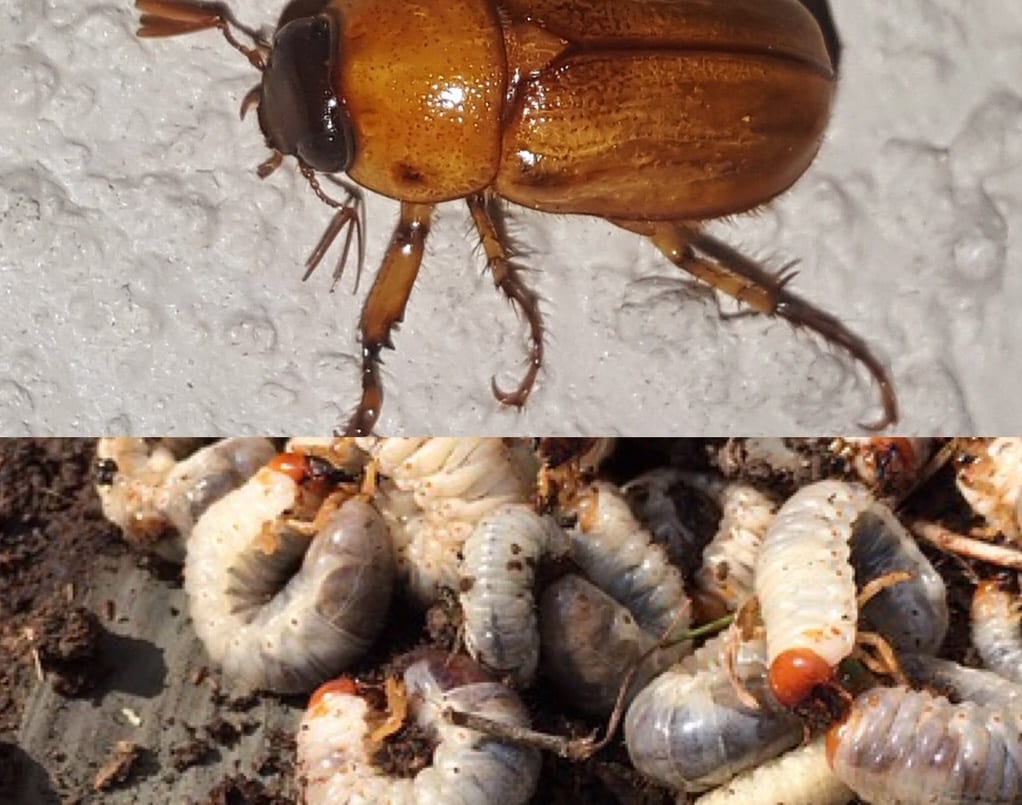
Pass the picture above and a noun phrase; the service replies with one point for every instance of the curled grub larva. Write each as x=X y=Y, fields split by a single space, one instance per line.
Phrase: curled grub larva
x=991 y=482
x=997 y=629
x=806 y=587
x=912 y=748
x=457 y=478
x=782 y=465
x=156 y=499
x=960 y=683
x=585 y=454
x=432 y=492
x=335 y=748
x=693 y=732
x=131 y=473
x=590 y=642
x=709 y=655
x=912 y=615
x=619 y=556
x=258 y=618
x=726 y=577
x=664 y=502
x=497 y=576
x=799 y=777
x=340 y=452
x=888 y=466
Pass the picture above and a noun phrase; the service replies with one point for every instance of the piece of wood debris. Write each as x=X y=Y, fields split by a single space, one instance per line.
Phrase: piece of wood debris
x=118 y=766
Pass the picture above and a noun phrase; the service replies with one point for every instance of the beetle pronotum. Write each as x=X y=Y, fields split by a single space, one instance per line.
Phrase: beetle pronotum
x=652 y=115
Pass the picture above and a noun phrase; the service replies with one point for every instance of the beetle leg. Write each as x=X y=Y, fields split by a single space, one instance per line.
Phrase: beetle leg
x=349 y=218
x=174 y=17
x=385 y=308
x=736 y=275
x=507 y=278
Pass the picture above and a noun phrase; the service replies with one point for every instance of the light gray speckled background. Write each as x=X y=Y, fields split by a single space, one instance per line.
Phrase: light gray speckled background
x=149 y=282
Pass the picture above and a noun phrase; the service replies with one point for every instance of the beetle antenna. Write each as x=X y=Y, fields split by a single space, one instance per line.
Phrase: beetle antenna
x=174 y=17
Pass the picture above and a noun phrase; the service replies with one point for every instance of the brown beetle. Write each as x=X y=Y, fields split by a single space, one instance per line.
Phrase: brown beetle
x=652 y=114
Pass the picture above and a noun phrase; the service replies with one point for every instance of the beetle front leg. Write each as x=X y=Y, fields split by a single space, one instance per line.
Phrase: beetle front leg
x=729 y=271
x=506 y=277
x=385 y=308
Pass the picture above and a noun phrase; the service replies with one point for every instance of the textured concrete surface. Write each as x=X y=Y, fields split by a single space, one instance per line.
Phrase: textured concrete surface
x=149 y=281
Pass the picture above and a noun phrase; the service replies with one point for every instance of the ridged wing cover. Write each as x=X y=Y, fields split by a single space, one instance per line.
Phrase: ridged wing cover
x=660 y=110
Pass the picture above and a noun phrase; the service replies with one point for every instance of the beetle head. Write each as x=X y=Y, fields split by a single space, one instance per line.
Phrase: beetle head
x=299 y=112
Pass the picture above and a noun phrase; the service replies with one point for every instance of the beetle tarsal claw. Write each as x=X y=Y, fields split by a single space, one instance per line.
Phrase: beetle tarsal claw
x=520 y=395
x=488 y=220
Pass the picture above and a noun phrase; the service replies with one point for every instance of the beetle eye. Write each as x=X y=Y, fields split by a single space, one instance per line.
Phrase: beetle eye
x=299 y=112
x=297 y=9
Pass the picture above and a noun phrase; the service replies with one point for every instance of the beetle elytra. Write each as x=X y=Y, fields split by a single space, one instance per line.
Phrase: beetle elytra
x=652 y=114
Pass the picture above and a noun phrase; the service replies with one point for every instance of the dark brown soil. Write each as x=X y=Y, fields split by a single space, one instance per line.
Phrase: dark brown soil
x=56 y=550
x=51 y=536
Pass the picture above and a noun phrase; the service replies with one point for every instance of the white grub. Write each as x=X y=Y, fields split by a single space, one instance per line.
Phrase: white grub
x=992 y=481
x=713 y=654
x=497 y=577
x=589 y=644
x=912 y=614
x=432 y=492
x=996 y=619
x=960 y=683
x=783 y=465
x=692 y=732
x=799 y=777
x=888 y=466
x=585 y=456
x=156 y=499
x=726 y=576
x=658 y=498
x=709 y=655
x=274 y=610
x=334 y=750
x=619 y=556
x=457 y=478
x=805 y=584
x=340 y=452
x=906 y=747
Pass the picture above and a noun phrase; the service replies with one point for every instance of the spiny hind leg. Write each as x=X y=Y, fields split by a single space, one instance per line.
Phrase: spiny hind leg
x=507 y=277
x=385 y=308
x=729 y=271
